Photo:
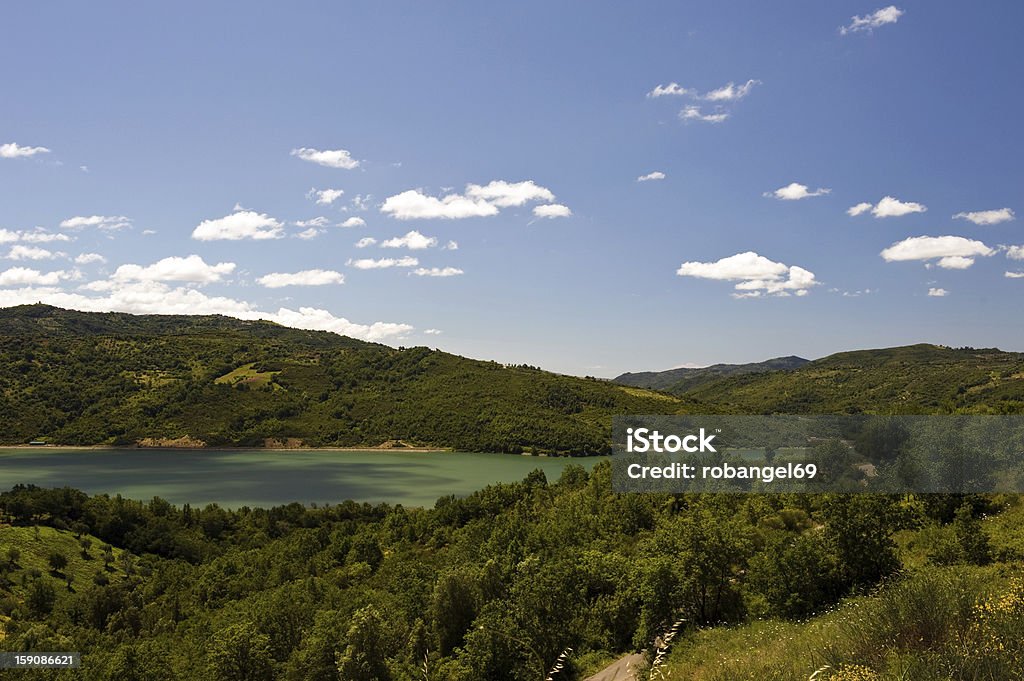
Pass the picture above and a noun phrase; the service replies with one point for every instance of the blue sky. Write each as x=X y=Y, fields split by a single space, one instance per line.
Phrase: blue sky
x=518 y=133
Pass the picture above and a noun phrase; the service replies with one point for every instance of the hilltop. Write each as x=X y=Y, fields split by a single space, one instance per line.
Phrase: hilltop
x=108 y=378
x=687 y=378
x=912 y=379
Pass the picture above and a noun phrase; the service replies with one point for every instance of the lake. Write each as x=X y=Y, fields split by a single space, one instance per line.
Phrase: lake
x=247 y=477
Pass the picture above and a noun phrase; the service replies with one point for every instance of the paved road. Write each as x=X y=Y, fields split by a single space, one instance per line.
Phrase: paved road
x=623 y=669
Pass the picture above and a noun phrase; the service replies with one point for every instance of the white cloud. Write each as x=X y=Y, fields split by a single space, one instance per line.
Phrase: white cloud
x=366 y=241
x=107 y=222
x=433 y=332
x=888 y=207
x=360 y=202
x=89 y=258
x=22 y=276
x=318 y=222
x=952 y=252
x=938 y=292
x=693 y=113
x=505 y=194
x=672 y=89
x=12 y=150
x=868 y=22
x=955 y=262
x=795 y=191
x=437 y=271
x=36 y=236
x=412 y=240
x=43 y=237
x=191 y=269
x=1015 y=252
x=987 y=217
x=354 y=222
x=415 y=205
x=332 y=158
x=730 y=92
x=148 y=232
x=553 y=210
x=1014 y=275
x=303 y=278
x=20 y=252
x=756 y=274
x=242 y=224
x=451 y=246
x=310 y=233
x=656 y=175
x=325 y=197
x=382 y=263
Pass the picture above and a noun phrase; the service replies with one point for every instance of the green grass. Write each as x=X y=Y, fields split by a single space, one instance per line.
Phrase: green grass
x=35 y=544
x=936 y=623
x=248 y=375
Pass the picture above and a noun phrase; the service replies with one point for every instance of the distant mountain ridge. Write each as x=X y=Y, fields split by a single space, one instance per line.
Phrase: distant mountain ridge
x=683 y=379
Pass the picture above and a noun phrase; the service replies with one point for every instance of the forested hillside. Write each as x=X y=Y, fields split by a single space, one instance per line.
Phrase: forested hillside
x=497 y=586
x=101 y=378
x=687 y=378
x=916 y=379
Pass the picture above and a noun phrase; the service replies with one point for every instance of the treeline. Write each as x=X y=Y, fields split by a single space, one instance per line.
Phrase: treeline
x=496 y=585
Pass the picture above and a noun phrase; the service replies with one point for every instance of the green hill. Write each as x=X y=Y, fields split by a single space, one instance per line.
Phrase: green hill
x=686 y=378
x=104 y=378
x=913 y=379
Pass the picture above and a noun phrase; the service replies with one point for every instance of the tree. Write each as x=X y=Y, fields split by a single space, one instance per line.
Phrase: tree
x=363 y=658
x=57 y=560
x=239 y=653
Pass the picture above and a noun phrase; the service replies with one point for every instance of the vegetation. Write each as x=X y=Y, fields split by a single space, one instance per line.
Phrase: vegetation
x=917 y=379
x=682 y=379
x=499 y=585
x=89 y=378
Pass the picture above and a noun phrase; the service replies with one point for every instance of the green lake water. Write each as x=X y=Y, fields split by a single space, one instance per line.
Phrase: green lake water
x=234 y=478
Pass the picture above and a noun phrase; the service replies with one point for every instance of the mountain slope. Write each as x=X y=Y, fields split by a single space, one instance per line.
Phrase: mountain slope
x=685 y=378
x=91 y=378
x=912 y=379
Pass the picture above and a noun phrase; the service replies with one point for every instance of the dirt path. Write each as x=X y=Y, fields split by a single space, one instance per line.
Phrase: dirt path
x=623 y=669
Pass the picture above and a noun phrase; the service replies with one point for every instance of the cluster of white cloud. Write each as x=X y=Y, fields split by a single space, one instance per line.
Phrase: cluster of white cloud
x=325 y=197
x=89 y=259
x=757 y=275
x=13 y=150
x=242 y=224
x=331 y=158
x=106 y=222
x=36 y=236
x=937 y=292
x=365 y=242
x=476 y=201
x=656 y=175
x=383 y=263
x=354 y=222
x=869 y=22
x=730 y=92
x=437 y=271
x=1015 y=252
x=950 y=252
x=887 y=207
x=987 y=217
x=23 y=276
x=794 y=191
x=21 y=252
x=191 y=269
x=303 y=278
x=413 y=240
